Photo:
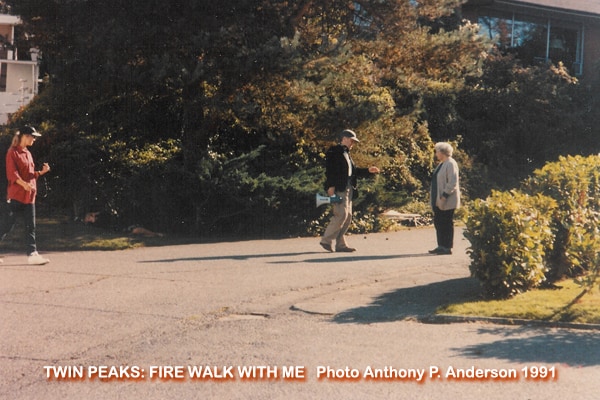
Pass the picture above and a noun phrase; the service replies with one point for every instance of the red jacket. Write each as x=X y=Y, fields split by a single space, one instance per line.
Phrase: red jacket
x=19 y=165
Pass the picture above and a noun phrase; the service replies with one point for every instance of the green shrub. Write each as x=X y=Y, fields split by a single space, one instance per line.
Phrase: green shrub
x=574 y=183
x=510 y=233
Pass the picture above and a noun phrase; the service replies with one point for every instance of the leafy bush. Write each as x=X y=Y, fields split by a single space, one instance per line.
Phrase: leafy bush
x=574 y=183
x=510 y=233
x=515 y=118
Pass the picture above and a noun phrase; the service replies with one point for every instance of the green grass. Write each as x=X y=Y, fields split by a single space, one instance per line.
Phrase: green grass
x=541 y=304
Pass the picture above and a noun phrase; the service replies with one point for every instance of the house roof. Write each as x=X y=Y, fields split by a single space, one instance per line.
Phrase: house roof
x=579 y=6
x=6 y=19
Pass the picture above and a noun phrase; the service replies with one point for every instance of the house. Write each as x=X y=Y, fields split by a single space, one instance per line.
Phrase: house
x=540 y=31
x=19 y=73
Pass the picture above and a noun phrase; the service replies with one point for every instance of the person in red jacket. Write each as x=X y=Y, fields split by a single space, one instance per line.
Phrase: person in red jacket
x=21 y=191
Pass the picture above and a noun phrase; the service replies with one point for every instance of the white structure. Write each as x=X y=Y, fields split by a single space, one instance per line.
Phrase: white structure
x=18 y=78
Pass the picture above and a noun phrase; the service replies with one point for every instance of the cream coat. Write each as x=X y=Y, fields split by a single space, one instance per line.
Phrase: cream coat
x=448 y=183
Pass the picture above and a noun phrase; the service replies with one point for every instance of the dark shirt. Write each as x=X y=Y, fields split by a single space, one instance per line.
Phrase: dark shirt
x=434 y=185
x=336 y=169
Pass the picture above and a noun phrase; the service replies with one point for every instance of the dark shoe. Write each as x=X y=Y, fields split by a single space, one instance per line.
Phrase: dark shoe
x=437 y=250
x=345 y=250
x=326 y=246
x=445 y=251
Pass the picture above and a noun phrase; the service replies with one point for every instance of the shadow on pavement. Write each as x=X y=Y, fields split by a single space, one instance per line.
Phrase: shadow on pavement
x=230 y=257
x=570 y=347
x=412 y=302
x=541 y=345
x=346 y=258
x=350 y=258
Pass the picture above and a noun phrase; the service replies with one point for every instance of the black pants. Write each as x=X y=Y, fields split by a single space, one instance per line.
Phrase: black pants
x=7 y=222
x=443 y=220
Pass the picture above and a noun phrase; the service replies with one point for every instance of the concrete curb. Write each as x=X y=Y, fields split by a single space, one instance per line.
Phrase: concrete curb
x=451 y=319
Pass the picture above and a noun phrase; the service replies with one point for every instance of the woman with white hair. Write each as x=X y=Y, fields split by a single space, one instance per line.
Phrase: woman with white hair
x=445 y=197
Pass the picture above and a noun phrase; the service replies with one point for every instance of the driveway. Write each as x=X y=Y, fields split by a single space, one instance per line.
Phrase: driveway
x=272 y=319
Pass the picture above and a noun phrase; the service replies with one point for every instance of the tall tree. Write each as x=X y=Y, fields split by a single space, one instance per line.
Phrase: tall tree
x=144 y=71
x=236 y=99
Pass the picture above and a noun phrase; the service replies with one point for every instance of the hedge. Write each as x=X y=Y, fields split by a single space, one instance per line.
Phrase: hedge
x=542 y=232
x=510 y=233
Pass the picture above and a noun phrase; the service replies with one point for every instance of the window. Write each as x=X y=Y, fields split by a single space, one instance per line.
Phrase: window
x=362 y=18
x=535 y=40
x=3 y=70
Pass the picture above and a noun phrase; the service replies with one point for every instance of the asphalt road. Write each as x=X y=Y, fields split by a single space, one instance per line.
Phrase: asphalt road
x=272 y=319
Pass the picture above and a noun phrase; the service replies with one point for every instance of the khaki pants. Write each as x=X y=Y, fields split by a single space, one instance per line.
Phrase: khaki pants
x=340 y=222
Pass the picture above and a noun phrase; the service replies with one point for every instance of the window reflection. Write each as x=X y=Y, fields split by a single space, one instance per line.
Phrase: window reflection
x=536 y=40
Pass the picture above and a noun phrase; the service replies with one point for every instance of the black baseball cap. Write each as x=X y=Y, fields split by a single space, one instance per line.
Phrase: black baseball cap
x=29 y=130
x=350 y=134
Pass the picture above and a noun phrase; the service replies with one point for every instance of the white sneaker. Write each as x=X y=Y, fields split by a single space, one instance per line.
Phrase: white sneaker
x=35 y=259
